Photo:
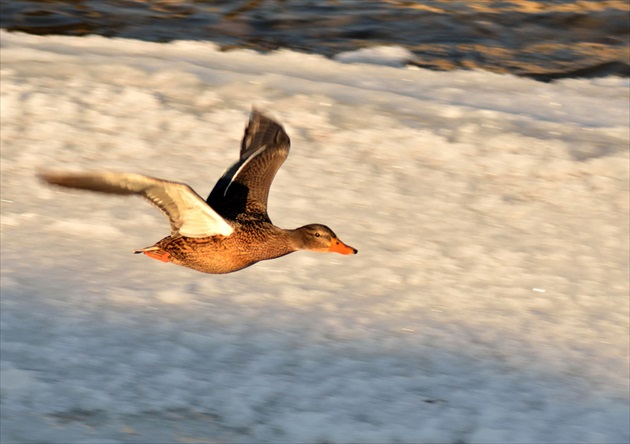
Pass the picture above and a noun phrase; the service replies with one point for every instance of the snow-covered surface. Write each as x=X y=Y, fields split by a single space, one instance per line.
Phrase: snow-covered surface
x=488 y=301
x=377 y=55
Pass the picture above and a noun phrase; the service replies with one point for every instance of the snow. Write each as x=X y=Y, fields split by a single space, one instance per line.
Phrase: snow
x=378 y=55
x=466 y=193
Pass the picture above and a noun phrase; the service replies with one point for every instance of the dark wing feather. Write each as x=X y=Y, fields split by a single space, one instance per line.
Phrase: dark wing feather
x=186 y=211
x=244 y=187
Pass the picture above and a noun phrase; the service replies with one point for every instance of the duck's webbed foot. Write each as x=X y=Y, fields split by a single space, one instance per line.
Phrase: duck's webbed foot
x=155 y=253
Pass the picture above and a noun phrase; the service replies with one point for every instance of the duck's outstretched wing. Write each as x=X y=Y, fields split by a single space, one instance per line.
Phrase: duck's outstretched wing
x=244 y=187
x=186 y=211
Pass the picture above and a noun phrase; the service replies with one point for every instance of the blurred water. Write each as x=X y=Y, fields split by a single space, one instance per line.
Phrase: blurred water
x=543 y=39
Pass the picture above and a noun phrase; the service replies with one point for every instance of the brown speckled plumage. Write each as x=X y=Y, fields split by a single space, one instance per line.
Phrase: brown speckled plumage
x=231 y=229
x=225 y=254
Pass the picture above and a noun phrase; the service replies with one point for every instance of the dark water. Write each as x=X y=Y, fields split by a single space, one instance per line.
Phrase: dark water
x=535 y=38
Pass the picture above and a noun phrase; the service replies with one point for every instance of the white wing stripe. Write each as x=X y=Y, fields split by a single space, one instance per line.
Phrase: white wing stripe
x=258 y=151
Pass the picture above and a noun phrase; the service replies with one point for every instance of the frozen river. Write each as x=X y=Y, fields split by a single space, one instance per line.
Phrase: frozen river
x=541 y=39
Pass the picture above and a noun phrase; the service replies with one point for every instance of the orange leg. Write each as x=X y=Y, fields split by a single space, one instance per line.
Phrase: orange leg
x=160 y=255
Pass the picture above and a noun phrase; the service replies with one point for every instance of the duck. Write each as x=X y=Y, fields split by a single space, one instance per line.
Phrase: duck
x=228 y=231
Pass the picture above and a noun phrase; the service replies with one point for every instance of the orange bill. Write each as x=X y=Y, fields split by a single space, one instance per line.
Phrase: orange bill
x=336 y=246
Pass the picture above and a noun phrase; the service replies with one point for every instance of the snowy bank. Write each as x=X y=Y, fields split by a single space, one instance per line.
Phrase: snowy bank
x=488 y=301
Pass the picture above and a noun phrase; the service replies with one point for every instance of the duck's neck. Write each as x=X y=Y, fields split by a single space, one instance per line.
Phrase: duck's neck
x=279 y=243
x=292 y=239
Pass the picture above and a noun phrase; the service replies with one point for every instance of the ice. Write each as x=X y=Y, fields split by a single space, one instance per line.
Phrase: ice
x=377 y=55
x=465 y=193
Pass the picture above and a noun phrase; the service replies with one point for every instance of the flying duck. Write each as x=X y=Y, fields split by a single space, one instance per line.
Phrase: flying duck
x=231 y=229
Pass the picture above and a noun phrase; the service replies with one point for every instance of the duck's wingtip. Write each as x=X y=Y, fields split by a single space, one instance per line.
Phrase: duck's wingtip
x=256 y=113
x=56 y=177
x=47 y=176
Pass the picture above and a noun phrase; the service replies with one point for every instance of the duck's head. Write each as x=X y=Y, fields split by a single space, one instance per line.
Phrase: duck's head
x=317 y=237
